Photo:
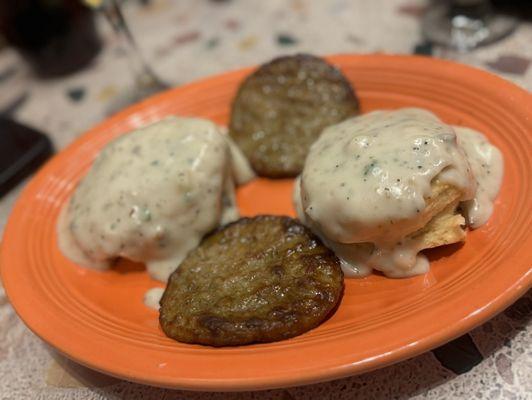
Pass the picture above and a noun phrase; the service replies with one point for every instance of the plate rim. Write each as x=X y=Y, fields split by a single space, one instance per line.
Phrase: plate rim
x=459 y=327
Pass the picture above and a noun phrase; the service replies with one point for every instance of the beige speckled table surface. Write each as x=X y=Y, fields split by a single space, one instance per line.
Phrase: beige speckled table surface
x=186 y=40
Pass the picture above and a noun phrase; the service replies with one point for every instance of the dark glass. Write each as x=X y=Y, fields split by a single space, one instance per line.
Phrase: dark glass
x=56 y=37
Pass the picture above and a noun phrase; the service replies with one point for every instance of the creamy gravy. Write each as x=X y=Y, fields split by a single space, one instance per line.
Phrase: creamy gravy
x=152 y=194
x=365 y=181
x=152 y=297
x=487 y=164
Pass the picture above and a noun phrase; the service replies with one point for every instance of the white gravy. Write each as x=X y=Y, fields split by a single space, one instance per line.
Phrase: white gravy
x=152 y=297
x=487 y=164
x=366 y=179
x=152 y=194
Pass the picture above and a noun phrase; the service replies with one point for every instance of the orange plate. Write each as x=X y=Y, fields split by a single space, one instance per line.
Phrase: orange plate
x=98 y=319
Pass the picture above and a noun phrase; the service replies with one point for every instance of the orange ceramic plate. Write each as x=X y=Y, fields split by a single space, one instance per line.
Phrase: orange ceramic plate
x=98 y=319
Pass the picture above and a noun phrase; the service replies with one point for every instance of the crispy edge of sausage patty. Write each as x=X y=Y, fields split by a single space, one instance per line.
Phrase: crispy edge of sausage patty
x=282 y=108
x=258 y=279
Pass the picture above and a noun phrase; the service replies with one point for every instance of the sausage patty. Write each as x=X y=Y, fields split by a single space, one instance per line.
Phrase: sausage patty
x=281 y=109
x=258 y=279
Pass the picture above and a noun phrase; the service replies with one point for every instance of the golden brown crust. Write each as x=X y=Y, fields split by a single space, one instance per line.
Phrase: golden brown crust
x=445 y=225
x=259 y=279
x=281 y=109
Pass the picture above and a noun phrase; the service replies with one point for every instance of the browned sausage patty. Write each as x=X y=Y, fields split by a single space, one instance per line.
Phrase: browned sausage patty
x=258 y=279
x=281 y=109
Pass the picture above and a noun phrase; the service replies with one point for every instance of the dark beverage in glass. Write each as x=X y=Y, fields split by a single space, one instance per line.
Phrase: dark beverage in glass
x=56 y=37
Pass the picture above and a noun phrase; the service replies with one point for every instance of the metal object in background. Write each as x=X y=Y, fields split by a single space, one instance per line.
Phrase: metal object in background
x=465 y=24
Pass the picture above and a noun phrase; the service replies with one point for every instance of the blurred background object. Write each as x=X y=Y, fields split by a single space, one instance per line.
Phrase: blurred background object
x=22 y=151
x=465 y=24
x=55 y=37
x=145 y=81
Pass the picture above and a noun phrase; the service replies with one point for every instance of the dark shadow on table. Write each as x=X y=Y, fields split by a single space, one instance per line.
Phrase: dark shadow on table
x=400 y=381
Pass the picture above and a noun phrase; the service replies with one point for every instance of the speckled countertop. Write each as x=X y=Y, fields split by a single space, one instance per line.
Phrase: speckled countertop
x=185 y=40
